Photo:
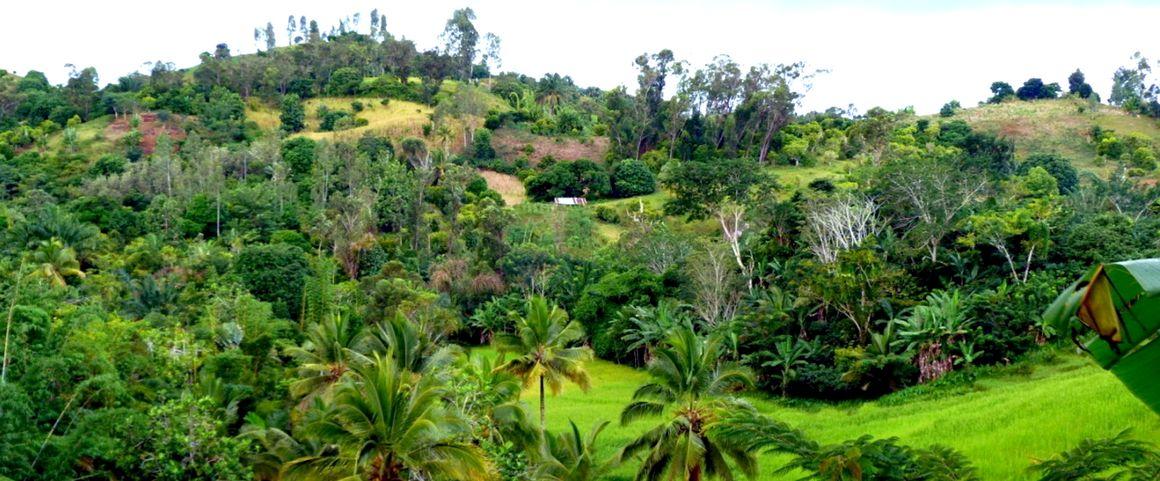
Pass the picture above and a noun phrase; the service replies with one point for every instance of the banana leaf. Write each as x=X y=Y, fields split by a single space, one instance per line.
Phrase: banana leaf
x=1113 y=313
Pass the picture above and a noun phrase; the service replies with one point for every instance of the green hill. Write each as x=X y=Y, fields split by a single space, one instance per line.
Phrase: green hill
x=1062 y=126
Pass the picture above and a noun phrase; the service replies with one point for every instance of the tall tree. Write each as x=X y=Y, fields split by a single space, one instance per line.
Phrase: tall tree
x=460 y=38
x=545 y=345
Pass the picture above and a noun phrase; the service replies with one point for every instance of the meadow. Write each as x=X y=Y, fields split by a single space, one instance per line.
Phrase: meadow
x=1005 y=421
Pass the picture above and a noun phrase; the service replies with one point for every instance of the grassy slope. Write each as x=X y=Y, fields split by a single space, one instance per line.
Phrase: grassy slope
x=1057 y=126
x=398 y=118
x=1006 y=423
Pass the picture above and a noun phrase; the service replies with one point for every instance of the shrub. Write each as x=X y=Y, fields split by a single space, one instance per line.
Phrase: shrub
x=631 y=178
x=607 y=214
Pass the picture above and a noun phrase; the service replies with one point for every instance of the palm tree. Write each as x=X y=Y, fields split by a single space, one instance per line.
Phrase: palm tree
x=648 y=326
x=689 y=380
x=572 y=456
x=399 y=339
x=391 y=425
x=543 y=344
x=55 y=261
x=325 y=357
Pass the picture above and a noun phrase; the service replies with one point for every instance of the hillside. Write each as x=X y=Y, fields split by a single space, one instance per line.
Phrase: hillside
x=1062 y=126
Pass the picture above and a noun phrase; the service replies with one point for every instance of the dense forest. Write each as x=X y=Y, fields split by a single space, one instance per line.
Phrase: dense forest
x=340 y=257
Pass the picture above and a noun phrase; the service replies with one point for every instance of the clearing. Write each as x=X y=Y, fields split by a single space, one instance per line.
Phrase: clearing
x=509 y=186
x=512 y=143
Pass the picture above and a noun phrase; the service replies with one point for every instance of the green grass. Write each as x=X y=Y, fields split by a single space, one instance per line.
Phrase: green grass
x=1004 y=424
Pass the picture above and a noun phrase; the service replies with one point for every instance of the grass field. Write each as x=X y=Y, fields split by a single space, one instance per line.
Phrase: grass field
x=1004 y=424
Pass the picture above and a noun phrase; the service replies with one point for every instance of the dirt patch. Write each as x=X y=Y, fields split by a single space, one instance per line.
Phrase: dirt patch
x=150 y=127
x=508 y=186
x=511 y=144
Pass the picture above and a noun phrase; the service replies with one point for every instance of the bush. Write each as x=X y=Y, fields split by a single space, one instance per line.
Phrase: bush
x=631 y=178
x=607 y=214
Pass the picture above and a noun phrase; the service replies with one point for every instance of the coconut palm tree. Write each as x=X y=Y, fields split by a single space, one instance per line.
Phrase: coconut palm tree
x=400 y=339
x=572 y=456
x=389 y=424
x=544 y=346
x=325 y=358
x=55 y=262
x=690 y=387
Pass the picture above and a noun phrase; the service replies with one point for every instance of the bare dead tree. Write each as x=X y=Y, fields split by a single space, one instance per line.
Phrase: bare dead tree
x=715 y=285
x=930 y=197
x=840 y=223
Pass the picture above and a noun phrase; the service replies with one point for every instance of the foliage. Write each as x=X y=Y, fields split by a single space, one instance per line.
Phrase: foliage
x=581 y=178
x=631 y=178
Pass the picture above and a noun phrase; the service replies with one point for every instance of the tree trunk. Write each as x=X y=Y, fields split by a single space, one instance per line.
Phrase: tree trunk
x=541 y=405
x=776 y=121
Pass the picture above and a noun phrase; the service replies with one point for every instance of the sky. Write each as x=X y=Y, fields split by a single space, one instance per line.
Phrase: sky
x=891 y=54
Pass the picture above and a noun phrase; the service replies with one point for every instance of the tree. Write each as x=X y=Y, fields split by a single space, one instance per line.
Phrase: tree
x=1034 y=88
x=1026 y=217
x=1059 y=167
x=1000 y=91
x=929 y=196
x=393 y=425
x=857 y=459
x=324 y=358
x=631 y=177
x=460 y=38
x=54 y=261
x=293 y=116
x=573 y=456
x=688 y=385
x=580 y=178
x=699 y=187
x=544 y=343
x=344 y=81
x=274 y=273
x=948 y=109
x=839 y=224
x=1077 y=86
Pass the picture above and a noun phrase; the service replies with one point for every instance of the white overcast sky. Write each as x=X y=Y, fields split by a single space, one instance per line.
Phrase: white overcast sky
x=891 y=54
